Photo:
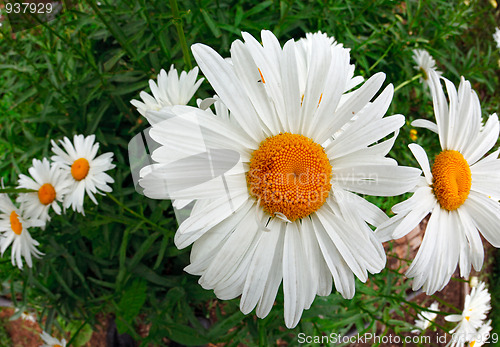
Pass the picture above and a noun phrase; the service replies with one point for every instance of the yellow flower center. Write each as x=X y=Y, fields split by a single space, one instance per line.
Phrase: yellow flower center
x=57 y=346
x=15 y=224
x=80 y=169
x=413 y=135
x=290 y=174
x=472 y=343
x=452 y=179
x=46 y=194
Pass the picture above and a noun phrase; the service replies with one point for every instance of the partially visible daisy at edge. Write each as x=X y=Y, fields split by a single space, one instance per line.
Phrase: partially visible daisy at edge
x=425 y=318
x=461 y=191
x=51 y=185
x=496 y=37
x=293 y=215
x=425 y=63
x=476 y=307
x=14 y=226
x=482 y=335
x=51 y=341
x=171 y=89
x=85 y=170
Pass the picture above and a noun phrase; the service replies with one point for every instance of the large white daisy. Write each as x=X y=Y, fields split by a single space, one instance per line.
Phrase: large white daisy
x=275 y=191
x=460 y=191
x=14 y=230
x=50 y=182
x=84 y=170
x=172 y=89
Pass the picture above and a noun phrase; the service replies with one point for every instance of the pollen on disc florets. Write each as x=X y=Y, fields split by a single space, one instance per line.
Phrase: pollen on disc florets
x=290 y=174
x=15 y=224
x=451 y=179
x=46 y=194
x=80 y=169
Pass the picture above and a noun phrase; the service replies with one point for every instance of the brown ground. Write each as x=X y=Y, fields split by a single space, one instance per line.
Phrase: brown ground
x=25 y=333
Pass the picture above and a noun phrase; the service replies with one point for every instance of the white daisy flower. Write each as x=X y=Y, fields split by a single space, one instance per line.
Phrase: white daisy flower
x=51 y=341
x=425 y=63
x=476 y=308
x=496 y=37
x=50 y=182
x=425 y=318
x=14 y=230
x=25 y=315
x=482 y=335
x=274 y=203
x=171 y=90
x=460 y=191
x=85 y=171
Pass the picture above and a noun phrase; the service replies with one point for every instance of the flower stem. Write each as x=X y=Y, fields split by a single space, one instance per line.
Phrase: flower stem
x=125 y=208
x=16 y=190
x=407 y=82
x=180 y=31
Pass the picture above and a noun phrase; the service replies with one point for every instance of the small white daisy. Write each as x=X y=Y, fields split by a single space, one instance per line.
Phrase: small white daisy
x=14 y=230
x=25 y=315
x=50 y=182
x=425 y=63
x=171 y=90
x=282 y=205
x=461 y=191
x=425 y=318
x=476 y=308
x=482 y=335
x=85 y=171
x=496 y=37
x=51 y=341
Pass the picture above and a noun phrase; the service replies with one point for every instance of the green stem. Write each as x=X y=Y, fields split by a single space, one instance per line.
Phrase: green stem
x=180 y=31
x=132 y=212
x=407 y=82
x=262 y=333
x=16 y=190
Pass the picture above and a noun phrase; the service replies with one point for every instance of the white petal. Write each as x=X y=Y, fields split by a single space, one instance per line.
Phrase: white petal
x=424 y=123
x=221 y=76
x=422 y=159
x=380 y=180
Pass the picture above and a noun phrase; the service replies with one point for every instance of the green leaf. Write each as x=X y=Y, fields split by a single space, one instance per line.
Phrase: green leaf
x=131 y=302
x=185 y=335
x=211 y=24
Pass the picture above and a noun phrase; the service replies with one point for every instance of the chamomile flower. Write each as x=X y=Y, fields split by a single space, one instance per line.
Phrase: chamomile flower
x=425 y=63
x=425 y=318
x=460 y=191
x=27 y=316
x=274 y=188
x=51 y=341
x=482 y=335
x=50 y=182
x=85 y=171
x=171 y=90
x=496 y=37
x=476 y=308
x=14 y=230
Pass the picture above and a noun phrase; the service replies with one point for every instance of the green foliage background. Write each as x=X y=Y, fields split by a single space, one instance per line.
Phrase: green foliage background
x=78 y=73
